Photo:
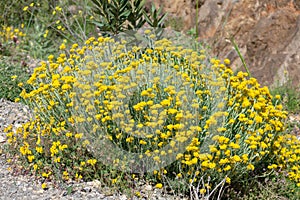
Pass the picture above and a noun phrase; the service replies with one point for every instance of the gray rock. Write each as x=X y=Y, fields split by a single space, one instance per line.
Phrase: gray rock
x=266 y=31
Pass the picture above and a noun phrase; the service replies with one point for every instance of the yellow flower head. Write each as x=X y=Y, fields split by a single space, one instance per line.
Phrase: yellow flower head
x=159 y=185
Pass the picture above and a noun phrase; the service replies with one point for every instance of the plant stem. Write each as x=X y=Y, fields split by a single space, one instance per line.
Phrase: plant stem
x=197 y=11
x=240 y=55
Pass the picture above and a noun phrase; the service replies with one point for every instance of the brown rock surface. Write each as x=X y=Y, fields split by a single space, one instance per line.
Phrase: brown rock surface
x=266 y=31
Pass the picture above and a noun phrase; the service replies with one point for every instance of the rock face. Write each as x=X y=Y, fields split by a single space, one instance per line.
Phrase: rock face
x=266 y=31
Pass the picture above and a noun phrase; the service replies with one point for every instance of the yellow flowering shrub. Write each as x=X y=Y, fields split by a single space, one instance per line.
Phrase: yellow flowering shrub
x=164 y=110
x=8 y=33
x=10 y=37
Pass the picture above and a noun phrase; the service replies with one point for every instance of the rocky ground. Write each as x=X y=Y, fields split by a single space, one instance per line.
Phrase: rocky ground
x=25 y=187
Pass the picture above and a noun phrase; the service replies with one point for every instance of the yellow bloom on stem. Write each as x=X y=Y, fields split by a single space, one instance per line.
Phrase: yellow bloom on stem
x=202 y=191
x=39 y=149
x=113 y=181
x=228 y=180
x=30 y=158
x=250 y=167
x=92 y=161
x=228 y=167
x=227 y=61
x=58 y=8
x=62 y=46
x=78 y=135
x=223 y=146
x=223 y=161
x=236 y=158
x=44 y=186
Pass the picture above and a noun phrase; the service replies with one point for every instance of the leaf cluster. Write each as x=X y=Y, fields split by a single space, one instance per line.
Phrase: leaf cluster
x=115 y=16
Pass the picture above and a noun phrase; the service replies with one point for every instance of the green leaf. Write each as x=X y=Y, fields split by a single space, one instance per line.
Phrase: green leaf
x=148 y=19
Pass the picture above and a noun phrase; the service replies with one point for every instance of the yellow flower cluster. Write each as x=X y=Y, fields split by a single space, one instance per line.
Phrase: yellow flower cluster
x=161 y=102
x=10 y=34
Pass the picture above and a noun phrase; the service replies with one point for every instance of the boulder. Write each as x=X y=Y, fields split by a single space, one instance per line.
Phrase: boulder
x=266 y=31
